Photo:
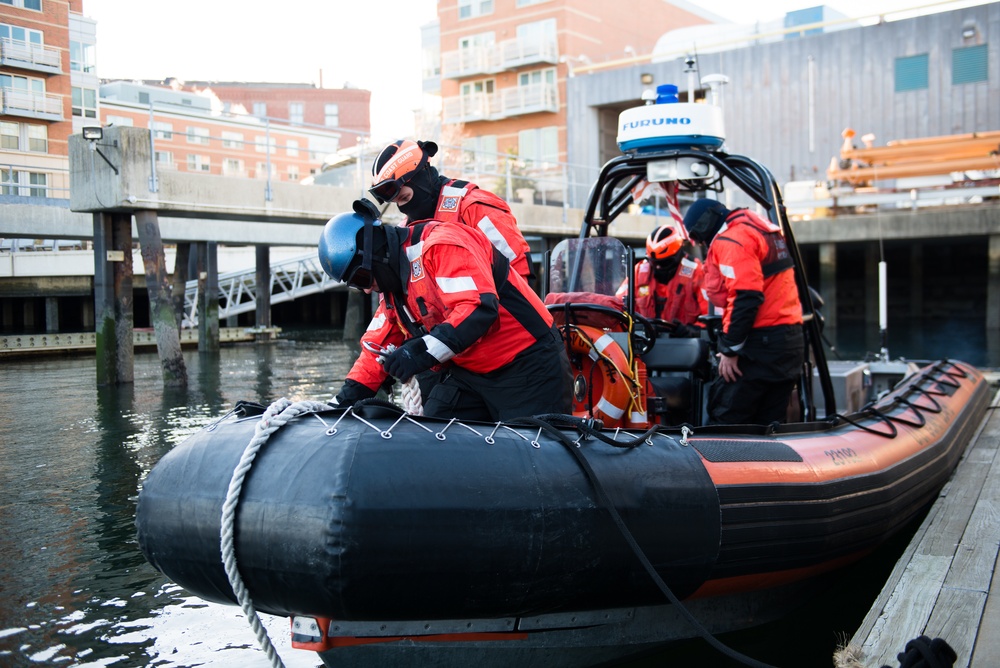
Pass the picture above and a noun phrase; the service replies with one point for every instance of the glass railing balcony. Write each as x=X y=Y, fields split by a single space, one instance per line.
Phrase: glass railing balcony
x=27 y=56
x=501 y=104
x=32 y=105
x=506 y=55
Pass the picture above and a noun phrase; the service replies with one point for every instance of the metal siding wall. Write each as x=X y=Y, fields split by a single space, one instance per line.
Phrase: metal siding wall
x=766 y=101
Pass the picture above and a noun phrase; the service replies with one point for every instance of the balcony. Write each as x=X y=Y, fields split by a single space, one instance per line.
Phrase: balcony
x=504 y=103
x=507 y=55
x=25 y=56
x=41 y=106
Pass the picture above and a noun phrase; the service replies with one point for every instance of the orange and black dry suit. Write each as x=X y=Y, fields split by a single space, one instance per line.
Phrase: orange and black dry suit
x=681 y=298
x=476 y=313
x=749 y=274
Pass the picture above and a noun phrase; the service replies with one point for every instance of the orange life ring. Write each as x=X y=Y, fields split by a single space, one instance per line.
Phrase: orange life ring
x=602 y=382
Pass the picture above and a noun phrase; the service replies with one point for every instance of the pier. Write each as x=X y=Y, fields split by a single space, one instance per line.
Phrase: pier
x=943 y=585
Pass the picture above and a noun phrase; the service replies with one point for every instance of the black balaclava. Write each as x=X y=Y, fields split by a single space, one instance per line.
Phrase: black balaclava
x=426 y=184
x=389 y=265
x=664 y=270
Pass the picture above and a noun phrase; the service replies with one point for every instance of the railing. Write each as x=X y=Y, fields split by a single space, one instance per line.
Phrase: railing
x=493 y=58
x=238 y=290
x=504 y=103
x=17 y=53
x=36 y=105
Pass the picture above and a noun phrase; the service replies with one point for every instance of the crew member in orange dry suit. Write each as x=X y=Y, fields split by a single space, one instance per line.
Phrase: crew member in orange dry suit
x=403 y=175
x=447 y=295
x=668 y=284
x=749 y=274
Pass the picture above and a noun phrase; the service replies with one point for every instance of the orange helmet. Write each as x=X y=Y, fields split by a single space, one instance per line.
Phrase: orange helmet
x=396 y=164
x=663 y=242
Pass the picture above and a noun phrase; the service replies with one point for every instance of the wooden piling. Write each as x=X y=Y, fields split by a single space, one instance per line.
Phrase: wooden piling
x=161 y=307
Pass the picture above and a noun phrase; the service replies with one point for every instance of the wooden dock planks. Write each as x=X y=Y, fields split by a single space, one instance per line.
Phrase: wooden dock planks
x=942 y=585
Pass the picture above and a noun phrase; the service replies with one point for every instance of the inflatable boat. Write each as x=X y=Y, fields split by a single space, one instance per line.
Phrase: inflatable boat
x=388 y=538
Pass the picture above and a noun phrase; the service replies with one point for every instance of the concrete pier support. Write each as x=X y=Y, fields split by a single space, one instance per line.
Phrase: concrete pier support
x=358 y=315
x=993 y=298
x=113 y=307
x=208 y=297
x=178 y=282
x=51 y=314
x=872 y=335
x=161 y=307
x=263 y=266
x=828 y=289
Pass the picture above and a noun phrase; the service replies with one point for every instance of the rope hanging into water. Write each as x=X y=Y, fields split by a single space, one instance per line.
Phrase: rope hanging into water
x=276 y=416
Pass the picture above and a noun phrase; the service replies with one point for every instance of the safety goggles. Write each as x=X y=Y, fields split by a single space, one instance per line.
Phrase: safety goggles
x=360 y=278
x=387 y=190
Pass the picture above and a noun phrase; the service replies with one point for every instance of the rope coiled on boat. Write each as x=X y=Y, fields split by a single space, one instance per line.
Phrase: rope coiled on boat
x=277 y=415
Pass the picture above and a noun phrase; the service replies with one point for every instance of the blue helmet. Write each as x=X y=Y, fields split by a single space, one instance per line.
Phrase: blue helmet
x=338 y=245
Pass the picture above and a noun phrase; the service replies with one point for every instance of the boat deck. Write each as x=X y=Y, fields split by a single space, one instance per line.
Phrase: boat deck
x=946 y=584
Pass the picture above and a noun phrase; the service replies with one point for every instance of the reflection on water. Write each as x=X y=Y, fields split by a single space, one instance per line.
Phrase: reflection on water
x=74 y=588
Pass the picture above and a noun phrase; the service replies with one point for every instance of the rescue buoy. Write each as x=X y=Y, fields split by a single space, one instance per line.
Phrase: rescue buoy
x=603 y=387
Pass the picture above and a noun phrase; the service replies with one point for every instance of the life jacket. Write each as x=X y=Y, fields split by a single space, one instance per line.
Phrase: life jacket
x=679 y=299
x=751 y=254
x=469 y=306
x=467 y=203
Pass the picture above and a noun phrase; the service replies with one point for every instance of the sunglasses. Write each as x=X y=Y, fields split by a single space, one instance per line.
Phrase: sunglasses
x=387 y=191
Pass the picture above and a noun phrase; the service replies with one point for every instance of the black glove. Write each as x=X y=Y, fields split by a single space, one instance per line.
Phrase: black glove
x=682 y=331
x=351 y=393
x=408 y=360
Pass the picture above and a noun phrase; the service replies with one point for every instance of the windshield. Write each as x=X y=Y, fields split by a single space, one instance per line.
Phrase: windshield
x=590 y=264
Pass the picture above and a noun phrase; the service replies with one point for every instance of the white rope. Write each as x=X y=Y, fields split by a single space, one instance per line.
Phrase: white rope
x=276 y=416
x=410 y=391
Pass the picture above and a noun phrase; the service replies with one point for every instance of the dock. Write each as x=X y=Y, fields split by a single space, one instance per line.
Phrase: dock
x=943 y=585
x=82 y=342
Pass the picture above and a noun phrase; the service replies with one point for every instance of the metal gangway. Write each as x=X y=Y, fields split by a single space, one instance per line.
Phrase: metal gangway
x=290 y=279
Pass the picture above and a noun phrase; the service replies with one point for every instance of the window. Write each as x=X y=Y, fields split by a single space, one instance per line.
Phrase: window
x=538 y=146
x=22 y=84
x=296 y=113
x=24 y=4
x=143 y=98
x=84 y=102
x=233 y=167
x=292 y=147
x=480 y=153
x=10 y=136
x=81 y=57
x=261 y=172
x=537 y=33
x=468 y=9
x=293 y=173
x=260 y=109
x=24 y=137
x=119 y=120
x=527 y=3
x=969 y=64
x=232 y=140
x=911 y=73
x=165 y=159
x=331 y=115
x=474 y=87
x=472 y=41
x=26 y=184
x=38 y=138
x=197 y=135
x=546 y=76
x=263 y=144
x=24 y=36
x=199 y=163
x=162 y=130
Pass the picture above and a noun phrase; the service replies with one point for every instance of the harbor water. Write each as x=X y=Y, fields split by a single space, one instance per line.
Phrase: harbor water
x=76 y=591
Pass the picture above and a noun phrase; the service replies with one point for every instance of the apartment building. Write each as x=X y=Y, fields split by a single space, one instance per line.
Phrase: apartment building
x=343 y=110
x=47 y=90
x=504 y=66
x=192 y=132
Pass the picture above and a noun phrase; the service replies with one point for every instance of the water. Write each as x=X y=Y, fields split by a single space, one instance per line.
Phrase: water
x=74 y=588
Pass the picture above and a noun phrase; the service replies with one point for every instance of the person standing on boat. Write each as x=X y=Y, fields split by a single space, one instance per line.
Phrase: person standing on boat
x=668 y=284
x=446 y=295
x=403 y=175
x=749 y=275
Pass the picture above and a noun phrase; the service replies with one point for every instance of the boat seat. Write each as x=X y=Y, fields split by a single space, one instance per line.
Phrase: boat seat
x=670 y=354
